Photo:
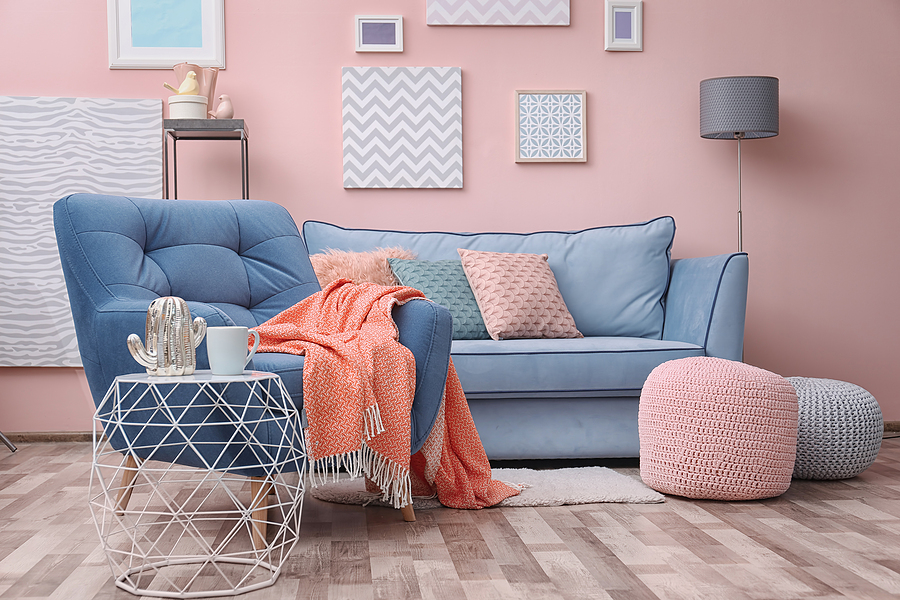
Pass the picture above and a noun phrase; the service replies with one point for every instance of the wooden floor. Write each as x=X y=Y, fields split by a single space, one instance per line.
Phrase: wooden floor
x=837 y=539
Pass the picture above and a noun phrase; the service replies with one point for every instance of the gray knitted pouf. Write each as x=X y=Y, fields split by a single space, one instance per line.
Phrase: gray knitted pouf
x=839 y=430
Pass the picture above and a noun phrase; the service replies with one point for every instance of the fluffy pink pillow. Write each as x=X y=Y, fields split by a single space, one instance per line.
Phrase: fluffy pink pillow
x=517 y=295
x=358 y=267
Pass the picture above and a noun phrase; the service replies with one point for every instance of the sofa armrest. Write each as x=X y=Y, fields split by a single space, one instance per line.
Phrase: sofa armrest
x=707 y=303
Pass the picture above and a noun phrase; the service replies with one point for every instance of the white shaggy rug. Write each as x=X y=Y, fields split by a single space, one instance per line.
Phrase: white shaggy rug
x=550 y=487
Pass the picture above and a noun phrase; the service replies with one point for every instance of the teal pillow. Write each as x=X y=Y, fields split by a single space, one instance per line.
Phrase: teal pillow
x=444 y=282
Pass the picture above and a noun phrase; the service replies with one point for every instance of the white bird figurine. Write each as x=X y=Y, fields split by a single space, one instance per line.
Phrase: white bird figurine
x=188 y=87
x=225 y=110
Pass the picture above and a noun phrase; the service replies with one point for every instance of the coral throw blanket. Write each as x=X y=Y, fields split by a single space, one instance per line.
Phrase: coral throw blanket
x=358 y=388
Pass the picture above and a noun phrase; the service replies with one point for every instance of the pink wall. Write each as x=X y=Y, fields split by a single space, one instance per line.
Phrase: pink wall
x=820 y=200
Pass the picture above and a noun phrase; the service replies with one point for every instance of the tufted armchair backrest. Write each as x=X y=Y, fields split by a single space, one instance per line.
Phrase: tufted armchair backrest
x=236 y=262
x=245 y=257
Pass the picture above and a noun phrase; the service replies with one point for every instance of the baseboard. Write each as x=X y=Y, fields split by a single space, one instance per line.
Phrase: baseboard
x=86 y=436
x=36 y=437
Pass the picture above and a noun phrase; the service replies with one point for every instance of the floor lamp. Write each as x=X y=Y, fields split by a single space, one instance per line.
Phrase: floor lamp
x=739 y=108
x=9 y=444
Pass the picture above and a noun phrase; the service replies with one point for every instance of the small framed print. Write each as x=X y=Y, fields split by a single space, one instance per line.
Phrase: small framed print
x=379 y=33
x=550 y=126
x=624 y=25
x=147 y=34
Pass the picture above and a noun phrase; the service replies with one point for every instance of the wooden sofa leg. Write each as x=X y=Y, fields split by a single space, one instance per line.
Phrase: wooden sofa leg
x=124 y=496
x=408 y=514
x=260 y=491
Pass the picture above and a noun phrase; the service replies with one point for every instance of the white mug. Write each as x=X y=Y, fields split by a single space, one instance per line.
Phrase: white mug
x=227 y=349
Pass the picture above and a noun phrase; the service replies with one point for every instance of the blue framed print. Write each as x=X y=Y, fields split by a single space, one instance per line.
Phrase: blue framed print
x=159 y=34
x=624 y=26
x=550 y=126
x=379 y=33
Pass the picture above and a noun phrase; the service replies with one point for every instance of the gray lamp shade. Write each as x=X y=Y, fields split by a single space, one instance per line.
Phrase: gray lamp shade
x=738 y=105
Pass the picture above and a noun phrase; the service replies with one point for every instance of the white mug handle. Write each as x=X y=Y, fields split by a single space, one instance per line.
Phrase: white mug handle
x=255 y=346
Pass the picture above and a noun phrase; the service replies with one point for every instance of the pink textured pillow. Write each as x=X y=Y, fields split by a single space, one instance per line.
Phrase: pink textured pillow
x=358 y=267
x=517 y=295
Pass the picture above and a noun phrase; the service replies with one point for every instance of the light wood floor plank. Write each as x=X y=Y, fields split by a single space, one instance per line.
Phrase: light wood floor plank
x=821 y=540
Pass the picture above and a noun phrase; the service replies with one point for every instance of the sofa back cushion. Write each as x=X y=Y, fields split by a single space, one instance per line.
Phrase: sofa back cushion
x=613 y=279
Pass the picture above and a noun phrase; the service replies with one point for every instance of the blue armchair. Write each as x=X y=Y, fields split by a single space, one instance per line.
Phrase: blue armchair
x=237 y=262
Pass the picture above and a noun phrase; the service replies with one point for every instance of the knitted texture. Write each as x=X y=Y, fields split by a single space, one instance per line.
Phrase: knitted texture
x=444 y=282
x=839 y=430
x=358 y=388
x=717 y=429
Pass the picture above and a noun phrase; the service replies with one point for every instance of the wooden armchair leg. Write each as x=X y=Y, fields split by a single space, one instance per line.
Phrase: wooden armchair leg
x=260 y=507
x=131 y=466
x=408 y=514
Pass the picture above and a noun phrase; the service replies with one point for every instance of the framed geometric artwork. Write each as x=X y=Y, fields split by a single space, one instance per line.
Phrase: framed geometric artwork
x=497 y=12
x=379 y=34
x=402 y=127
x=550 y=126
x=159 y=34
x=624 y=26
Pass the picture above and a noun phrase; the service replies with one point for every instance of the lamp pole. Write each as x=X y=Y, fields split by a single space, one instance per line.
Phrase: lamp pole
x=739 y=135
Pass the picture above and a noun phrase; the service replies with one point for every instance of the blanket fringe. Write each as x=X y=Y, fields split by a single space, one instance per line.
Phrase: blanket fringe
x=372 y=424
x=392 y=479
x=328 y=468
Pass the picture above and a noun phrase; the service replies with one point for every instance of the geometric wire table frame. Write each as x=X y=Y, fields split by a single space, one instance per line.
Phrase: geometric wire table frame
x=225 y=525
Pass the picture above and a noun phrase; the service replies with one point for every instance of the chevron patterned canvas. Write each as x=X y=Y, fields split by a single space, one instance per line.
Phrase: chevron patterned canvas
x=402 y=127
x=497 y=12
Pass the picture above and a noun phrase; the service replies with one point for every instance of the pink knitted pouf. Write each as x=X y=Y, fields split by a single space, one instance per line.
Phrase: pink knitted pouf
x=717 y=429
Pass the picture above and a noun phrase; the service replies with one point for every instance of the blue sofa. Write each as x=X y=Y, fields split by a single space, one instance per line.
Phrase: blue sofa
x=236 y=262
x=637 y=308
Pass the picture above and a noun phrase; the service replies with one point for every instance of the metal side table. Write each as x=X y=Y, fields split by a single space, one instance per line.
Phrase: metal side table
x=223 y=526
x=204 y=129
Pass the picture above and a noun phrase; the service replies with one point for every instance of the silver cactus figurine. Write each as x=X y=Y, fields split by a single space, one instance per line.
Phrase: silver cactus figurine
x=171 y=338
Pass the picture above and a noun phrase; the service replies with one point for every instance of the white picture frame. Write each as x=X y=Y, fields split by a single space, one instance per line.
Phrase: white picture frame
x=154 y=49
x=551 y=126
x=624 y=26
x=379 y=33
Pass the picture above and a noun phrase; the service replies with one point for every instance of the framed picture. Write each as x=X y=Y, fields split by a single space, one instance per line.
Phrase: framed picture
x=412 y=136
x=550 y=126
x=624 y=25
x=379 y=33
x=497 y=12
x=159 y=34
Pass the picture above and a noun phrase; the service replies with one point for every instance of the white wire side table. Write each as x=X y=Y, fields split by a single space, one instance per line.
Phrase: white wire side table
x=197 y=482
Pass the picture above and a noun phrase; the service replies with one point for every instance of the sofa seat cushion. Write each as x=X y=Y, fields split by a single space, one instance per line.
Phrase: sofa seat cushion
x=613 y=279
x=576 y=368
